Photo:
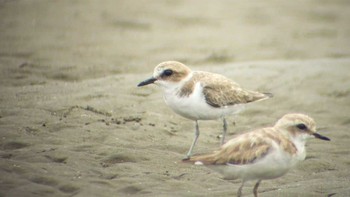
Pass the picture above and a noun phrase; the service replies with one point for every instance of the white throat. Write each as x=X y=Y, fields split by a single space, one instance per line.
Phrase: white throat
x=300 y=142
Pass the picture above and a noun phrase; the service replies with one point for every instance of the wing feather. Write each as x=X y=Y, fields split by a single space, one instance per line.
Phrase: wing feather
x=220 y=91
x=244 y=149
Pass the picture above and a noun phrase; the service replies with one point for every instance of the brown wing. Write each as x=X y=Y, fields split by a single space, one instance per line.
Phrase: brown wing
x=240 y=150
x=221 y=91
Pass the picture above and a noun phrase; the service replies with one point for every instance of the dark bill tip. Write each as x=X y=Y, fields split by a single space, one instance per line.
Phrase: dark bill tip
x=147 y=81
x=319 y=136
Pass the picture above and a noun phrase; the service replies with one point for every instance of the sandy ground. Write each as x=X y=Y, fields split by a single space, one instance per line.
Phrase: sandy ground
x=73 y=122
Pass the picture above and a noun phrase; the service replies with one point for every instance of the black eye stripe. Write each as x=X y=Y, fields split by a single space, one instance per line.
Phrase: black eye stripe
x=302 y=126
x=167 y=72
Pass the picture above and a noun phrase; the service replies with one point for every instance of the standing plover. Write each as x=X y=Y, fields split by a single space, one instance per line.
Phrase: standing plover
x=199 y=95
x=266 y=153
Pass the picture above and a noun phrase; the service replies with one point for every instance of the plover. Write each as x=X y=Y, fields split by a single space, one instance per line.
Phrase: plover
x=266 y=153
x=199 y=95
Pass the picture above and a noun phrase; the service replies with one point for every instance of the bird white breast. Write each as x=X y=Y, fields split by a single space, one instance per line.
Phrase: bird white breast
x=194 y=106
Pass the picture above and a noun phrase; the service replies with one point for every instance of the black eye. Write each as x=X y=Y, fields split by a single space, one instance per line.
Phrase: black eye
x=302 y=126
x=167 y=72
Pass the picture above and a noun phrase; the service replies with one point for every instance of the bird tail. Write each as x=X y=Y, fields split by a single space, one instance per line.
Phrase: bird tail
x=270 y=95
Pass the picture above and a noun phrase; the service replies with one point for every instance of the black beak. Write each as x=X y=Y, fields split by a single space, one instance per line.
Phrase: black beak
x=147 y=81
x=319 y=136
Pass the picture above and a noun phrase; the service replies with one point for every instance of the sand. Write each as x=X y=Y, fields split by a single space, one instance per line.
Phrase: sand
x=73 y=122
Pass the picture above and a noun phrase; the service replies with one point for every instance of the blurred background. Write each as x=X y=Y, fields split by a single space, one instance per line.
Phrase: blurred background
x=73 y=122
x=87 y=38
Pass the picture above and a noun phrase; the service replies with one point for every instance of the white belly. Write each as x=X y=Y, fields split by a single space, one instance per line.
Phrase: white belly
x=195 y=107
x=275 y=164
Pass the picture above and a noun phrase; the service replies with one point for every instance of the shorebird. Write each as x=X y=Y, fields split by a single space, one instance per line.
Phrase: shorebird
x=262 y=154
x=199 y=95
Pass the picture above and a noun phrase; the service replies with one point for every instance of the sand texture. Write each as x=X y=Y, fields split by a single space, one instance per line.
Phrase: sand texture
x=73 y=122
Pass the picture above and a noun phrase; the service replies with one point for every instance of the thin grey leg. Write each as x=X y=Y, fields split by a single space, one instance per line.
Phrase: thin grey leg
x=196 y=135
x=255 y=191
x=224 y=131
x=239 y=192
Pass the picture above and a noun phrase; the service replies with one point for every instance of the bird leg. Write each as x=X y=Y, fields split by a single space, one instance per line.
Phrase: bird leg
x=239 y=192
x=255 y=190
x=196 y=135
x=224 y=131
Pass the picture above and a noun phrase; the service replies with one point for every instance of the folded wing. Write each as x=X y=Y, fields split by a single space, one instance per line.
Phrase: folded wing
x=238 y=151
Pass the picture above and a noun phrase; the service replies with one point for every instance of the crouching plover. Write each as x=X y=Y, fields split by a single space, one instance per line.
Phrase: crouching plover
x=199 y=95
x=262 y=154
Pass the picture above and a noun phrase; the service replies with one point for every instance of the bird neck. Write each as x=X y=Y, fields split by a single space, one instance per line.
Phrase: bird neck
x=300 y=145
x=176 y=86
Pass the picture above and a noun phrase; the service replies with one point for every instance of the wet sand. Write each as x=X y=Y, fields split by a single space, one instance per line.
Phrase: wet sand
x=73 y=122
